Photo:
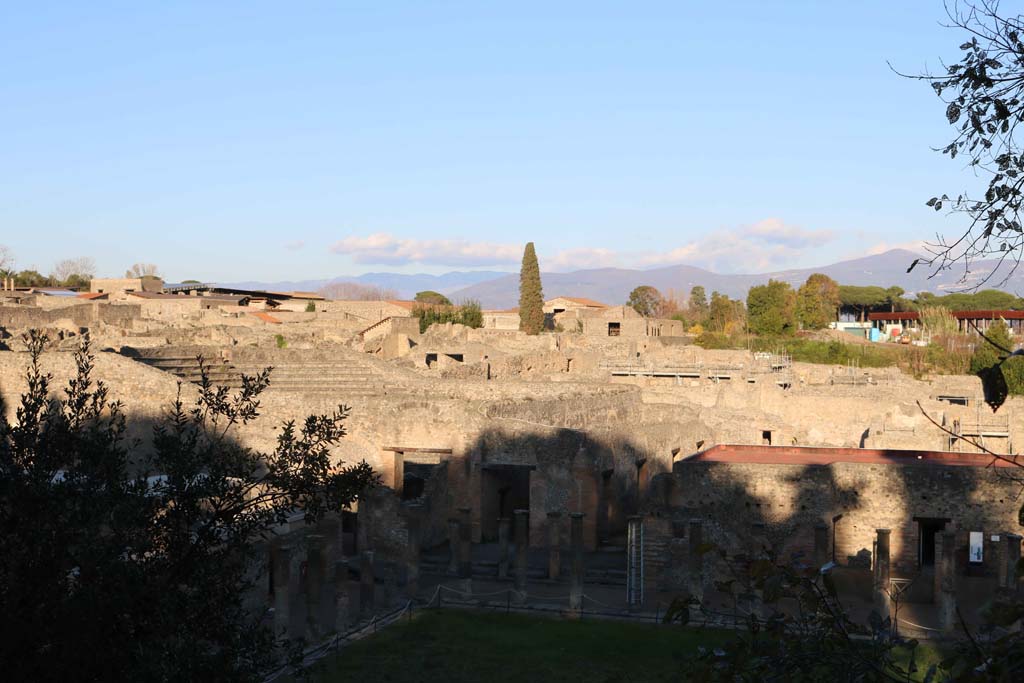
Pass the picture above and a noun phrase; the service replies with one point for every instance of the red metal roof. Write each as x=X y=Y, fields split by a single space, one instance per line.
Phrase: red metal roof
x=810 y=455
x=959 y=315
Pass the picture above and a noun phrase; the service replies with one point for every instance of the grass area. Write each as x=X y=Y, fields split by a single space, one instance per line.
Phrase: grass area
x=812 y=350
x=456 y=645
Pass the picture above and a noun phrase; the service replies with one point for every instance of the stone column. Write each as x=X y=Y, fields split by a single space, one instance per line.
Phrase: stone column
x=282 y=554
x=453 y=546
x=504 y=530
x=822 y=551
x=576 y=575
x=1011 y=555
x=315 y=571
x=399 y=473
x=522 y=548
x=554 y=545
x=412 y=557
x=342 y=604
x=880 y=583
x=367 y=585
x=465 y=544
x=695 y=558
x=945 y=571
x=635 y=560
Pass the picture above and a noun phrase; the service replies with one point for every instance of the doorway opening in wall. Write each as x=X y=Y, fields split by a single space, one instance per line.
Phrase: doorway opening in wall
x=766 y=437
x=505 y=489
x=348 y=532
x=927 y=528
x=431 y=359
x=614 y=329
x=414 y=482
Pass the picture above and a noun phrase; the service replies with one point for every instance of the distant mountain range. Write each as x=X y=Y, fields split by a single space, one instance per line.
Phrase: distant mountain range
x=405 y=285
x=496 y=289
x=613 y=285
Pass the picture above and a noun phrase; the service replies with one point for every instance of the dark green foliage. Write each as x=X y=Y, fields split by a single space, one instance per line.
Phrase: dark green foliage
x=281 y=342
x=1001 y=373
x=432 y=298
x=725 y=315
x=531 y=296
x=468 y=314
x=32 y=278
x=817 y=302
x=645 y=300
x=698 y=303
x=119 y=565
x=982 y=91
x=801 y=634
x=771 y=308
x=310 y=307
x=985 y=300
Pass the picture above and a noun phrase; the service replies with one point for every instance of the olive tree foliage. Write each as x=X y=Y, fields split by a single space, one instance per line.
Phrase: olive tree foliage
x=645 y=300
x=123 y=564
x=771 y=308
x=794 y=626
x=984 y=96
x=817 y=302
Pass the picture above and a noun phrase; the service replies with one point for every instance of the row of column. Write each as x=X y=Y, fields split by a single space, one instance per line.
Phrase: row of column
x=460 y=559
x=328 y=591
x=945 y=574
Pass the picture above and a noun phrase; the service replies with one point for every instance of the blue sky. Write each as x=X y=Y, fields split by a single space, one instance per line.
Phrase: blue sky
x=250 y=140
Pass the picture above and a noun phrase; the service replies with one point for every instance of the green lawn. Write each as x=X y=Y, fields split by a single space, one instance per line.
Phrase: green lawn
x=456 y=645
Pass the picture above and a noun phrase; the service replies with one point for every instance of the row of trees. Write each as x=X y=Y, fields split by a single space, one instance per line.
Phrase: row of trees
x=74 y=273
x=467 y=313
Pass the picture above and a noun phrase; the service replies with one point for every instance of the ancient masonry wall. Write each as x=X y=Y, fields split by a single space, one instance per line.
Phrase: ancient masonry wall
x=744 y=506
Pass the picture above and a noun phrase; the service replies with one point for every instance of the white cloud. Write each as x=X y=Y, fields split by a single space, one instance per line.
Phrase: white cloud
x=916 y=246
x=769 y=244
x=584 y=257
x=382 y=248
x=774 y=231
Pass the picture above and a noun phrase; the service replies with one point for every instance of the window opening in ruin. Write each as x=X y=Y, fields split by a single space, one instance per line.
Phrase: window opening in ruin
x=766 y=437
x=976 y=553
x=557 y=311
x=431 y=359
x=412 y=487
x=455 y=356
x=927 y=527
x=614 y=329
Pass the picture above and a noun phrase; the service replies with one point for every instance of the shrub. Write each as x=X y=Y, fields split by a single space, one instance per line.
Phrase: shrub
x=282 y=343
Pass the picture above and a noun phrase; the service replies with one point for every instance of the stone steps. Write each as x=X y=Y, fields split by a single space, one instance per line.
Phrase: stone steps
x=316 y=377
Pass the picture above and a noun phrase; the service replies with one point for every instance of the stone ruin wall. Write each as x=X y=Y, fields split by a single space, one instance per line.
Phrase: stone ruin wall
x=745 y=507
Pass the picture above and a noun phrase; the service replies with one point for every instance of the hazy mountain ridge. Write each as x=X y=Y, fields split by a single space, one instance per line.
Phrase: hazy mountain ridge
x=496 y=289
x=613 y=285
x=405 y=285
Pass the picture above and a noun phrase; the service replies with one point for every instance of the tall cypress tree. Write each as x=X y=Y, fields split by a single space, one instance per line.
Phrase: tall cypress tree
x=531 y=298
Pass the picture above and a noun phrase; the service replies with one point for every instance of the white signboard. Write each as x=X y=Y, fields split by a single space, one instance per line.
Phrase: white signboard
x=977 y=547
